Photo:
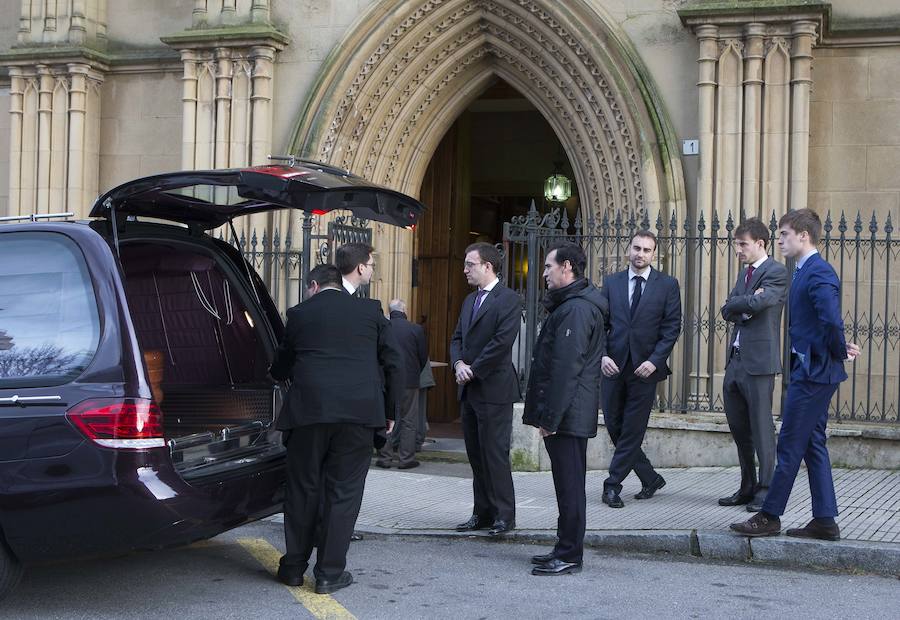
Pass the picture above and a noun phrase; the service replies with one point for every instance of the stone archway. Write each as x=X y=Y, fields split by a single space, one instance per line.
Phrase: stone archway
x=398 y=81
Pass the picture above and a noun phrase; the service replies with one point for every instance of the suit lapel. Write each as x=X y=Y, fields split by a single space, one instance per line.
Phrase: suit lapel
x=757 y=276
x=467 y=312
x=623 y=293
x=485 y=303
x=653 y=277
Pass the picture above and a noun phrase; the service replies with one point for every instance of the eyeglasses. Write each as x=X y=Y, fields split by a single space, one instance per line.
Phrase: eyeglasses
x=470 y=264
x=372 y=265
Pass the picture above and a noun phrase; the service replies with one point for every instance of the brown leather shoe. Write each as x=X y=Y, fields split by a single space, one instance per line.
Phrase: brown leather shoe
x=817 y=531
x=759 y=524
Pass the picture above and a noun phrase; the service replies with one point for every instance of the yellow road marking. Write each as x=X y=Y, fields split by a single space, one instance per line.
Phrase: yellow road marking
x=322 y=606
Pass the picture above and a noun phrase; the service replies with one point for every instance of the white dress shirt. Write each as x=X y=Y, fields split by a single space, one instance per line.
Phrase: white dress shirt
x=645 y=274
x=348 y=286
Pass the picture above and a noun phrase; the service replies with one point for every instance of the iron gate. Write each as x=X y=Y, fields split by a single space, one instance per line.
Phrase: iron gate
x=699 y=254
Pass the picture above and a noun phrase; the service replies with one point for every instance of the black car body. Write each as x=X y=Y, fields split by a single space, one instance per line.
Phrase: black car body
x=90 y=463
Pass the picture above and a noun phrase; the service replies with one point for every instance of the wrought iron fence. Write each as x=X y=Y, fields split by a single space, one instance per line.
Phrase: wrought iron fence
x=699 y=253
x=283 y=267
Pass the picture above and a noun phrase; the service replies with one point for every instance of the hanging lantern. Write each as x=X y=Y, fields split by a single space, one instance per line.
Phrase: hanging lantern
x=557 y=188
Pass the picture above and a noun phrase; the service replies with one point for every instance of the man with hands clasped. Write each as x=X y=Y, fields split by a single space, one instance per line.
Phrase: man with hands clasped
x=481 y=354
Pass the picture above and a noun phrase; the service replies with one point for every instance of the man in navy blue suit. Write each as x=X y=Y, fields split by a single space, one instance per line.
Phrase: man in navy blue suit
x=818 y=352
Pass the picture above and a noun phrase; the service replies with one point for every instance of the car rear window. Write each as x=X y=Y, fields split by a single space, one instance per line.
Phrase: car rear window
x=49 y=324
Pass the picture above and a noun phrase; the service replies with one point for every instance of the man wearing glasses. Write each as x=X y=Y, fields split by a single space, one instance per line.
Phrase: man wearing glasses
x=481 y=354
x=357 y=265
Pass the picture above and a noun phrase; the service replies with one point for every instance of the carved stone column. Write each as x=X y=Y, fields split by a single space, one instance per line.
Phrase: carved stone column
x=56 y=69
x=803 y=36
x=762 y=68
x=229 y=57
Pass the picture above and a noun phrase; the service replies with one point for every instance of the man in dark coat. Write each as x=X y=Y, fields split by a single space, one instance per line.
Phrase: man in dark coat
x=332 y=349
x=481 y=355
x=563 y=396
x=644 y=323
x=400 y=448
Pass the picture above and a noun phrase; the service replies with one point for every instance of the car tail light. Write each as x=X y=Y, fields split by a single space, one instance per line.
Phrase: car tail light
x=119 y=423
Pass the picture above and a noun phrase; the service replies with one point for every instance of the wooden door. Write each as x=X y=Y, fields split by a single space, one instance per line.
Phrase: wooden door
x=441 y=239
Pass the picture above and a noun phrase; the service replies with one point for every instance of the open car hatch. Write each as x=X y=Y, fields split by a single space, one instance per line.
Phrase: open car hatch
x=211 y=198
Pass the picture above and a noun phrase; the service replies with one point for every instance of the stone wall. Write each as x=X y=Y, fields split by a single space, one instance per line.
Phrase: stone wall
x=140 y=126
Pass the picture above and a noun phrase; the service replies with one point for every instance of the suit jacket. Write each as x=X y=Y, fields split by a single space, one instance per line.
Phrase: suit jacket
x=485 y=343
x=816 y=327
x=334 y=349
x=652 y=332
x=761 y=333
x=413 y=347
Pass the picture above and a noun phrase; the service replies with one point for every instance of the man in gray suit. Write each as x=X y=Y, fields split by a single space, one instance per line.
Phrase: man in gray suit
x=754 y=358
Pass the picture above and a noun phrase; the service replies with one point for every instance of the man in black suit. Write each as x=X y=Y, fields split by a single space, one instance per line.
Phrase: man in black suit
x=332 y=349
x=481 y=355
x=400 y=449
x=754 y=358
x=356 y=262
x=643 y=325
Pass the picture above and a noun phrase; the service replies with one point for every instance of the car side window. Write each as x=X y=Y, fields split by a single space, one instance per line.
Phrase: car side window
x=48 y=313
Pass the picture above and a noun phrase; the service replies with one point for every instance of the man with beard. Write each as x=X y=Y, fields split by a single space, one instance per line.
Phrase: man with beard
x=644 y=323
x=564 y=394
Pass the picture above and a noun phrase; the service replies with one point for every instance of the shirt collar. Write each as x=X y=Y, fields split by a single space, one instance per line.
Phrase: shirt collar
x=805 y=258
x=491 y=286
x=758 y=263
x=348 y=286
x=645 y=274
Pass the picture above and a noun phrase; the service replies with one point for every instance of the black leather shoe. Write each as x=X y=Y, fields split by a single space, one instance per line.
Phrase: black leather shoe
x=755 y=505
x=501 y=527
x=290 y=575
x=556 y=567
x=474 y=523
x=383 y=463
x=736 y=500
x=355 y=537
x=543 y=559
x=648 y=491
x=817 y=531
x=612 y=499
x=327 y=586
x=409 y=465
x=759 y=524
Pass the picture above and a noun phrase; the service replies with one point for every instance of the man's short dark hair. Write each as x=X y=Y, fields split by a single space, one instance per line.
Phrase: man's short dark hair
x=572 y=252
x=324 y=275
x=351 y=255
x=487 y=253
x=646 y=234
x=754 y=228
x=803 y=220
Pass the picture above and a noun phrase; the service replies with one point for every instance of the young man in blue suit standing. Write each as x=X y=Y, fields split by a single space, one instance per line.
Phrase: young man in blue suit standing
x=818 y=352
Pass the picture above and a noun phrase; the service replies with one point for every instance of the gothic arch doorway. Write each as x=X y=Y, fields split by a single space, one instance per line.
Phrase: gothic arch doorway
x=403 y=75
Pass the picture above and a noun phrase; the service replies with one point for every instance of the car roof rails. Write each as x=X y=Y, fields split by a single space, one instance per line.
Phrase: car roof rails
x=35 y=217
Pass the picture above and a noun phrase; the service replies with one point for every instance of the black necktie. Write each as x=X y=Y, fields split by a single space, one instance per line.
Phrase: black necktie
x=636 y=295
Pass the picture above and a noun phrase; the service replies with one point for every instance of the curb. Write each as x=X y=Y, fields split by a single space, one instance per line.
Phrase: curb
x=847 y=555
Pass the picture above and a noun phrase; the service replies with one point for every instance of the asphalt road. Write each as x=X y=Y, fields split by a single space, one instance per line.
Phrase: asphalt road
x=398 y=578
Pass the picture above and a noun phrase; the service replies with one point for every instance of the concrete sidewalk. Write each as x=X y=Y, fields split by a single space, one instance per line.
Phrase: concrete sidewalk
x=683 y=518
